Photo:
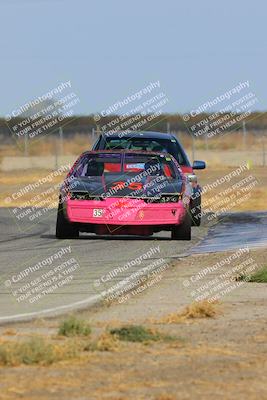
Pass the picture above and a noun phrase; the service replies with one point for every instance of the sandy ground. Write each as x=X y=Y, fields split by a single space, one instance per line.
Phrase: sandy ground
x=212 y=358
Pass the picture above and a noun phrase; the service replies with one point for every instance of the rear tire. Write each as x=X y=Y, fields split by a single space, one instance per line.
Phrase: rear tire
x=182 y=231
x=195 y=211
x=64 y=229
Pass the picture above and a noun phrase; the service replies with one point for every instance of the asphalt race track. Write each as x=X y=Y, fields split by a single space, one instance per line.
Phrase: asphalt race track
x=235 y=230
x=41 y=275
x=23 y=244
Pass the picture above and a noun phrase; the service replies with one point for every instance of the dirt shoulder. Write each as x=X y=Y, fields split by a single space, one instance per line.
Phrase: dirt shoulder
x=221 y=357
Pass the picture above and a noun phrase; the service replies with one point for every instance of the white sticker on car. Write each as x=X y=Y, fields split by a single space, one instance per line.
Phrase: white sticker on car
x=97 y=212
x=135 y=166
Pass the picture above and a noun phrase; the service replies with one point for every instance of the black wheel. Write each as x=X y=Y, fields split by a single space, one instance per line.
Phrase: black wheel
x=182 y=231
x=64 y=229
x=195 y=211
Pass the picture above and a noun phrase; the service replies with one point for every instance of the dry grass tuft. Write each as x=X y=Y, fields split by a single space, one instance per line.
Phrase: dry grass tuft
x=202 y=309
x=105 y=342
x=165 y=397
x=35 y=351
x=10 y=332
x=73 y=326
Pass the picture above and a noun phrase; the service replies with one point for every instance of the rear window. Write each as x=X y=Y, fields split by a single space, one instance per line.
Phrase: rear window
x=128 y=164
x=158 y=145
x=97 y=164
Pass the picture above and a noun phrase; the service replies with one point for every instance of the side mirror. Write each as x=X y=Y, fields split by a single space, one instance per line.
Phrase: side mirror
x=199 y=165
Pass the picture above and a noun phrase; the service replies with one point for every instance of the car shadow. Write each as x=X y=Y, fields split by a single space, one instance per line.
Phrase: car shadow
x=110 y=237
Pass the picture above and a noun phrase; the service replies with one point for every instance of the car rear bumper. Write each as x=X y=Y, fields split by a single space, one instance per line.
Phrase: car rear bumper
x=121 y=211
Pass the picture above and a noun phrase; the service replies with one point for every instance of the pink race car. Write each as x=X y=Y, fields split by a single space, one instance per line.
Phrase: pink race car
x=125 y=193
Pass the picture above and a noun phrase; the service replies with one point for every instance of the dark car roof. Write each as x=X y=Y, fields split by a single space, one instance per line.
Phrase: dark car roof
x=143 y=134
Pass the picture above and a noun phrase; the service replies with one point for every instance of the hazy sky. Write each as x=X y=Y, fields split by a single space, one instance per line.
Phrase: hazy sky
x=109 y=49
